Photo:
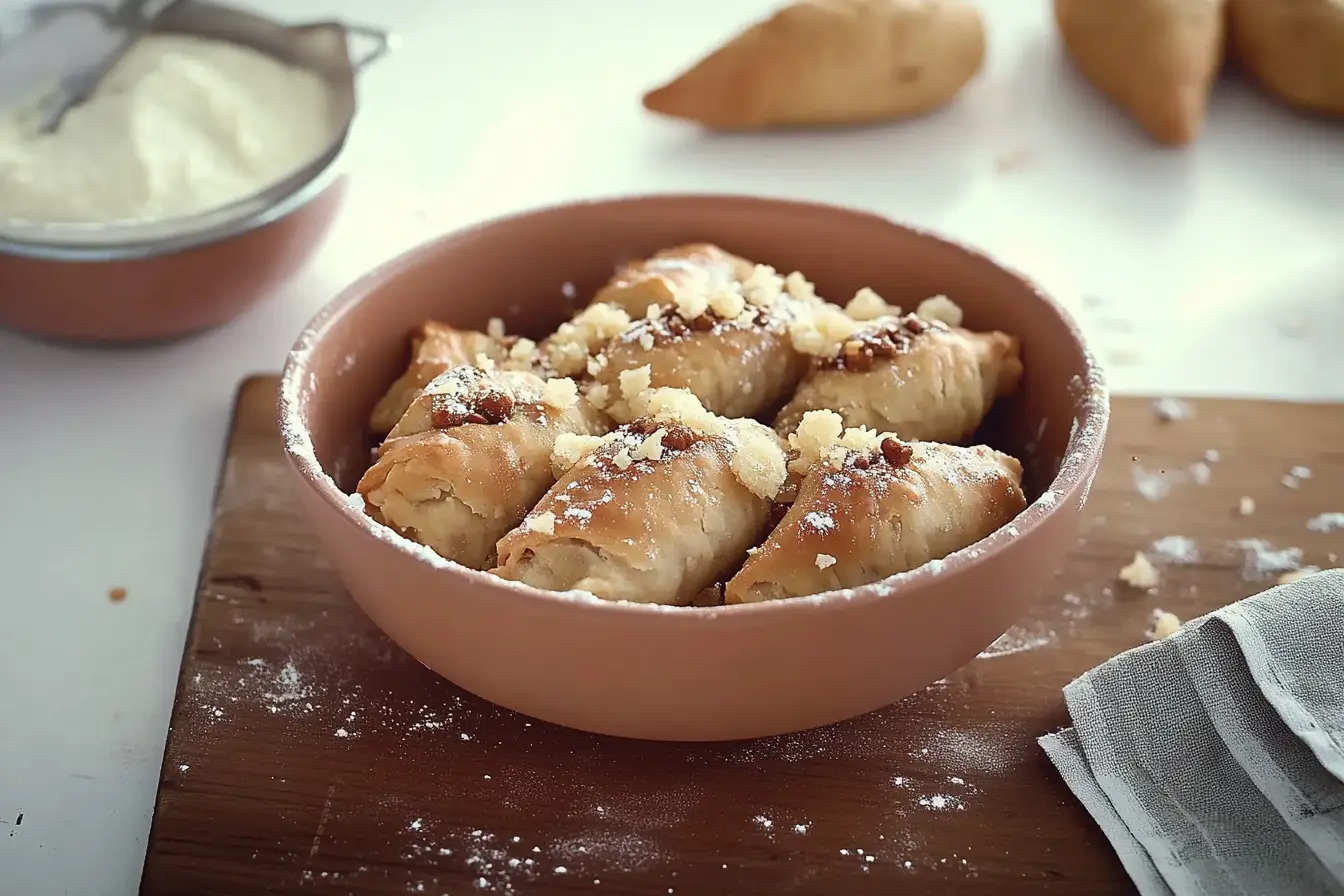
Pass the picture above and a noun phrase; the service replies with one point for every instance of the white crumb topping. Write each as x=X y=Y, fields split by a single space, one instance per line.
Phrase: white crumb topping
x=483 y=362
x=596 y=364
x=799 y=287
x=560 y=393
x=820 y=330
x=818 y=431
x=1162 y=625
x=543 y=522
x=495 y=328
x=646 y=341
x=599 y=396
x=571 y=448
x=861 y=439
x=825 y=561
x=758 y=461
x=727 y=303
x=653 y=312
x=522 y=349
x=678 y=406
x=762 y=286
x=940 y=308
x=1140 y=573
x=622 y=459
x=652 y=447
x=690 y=300
x=635 y=383
x=868 y=305
x=589 y=330
x=746 y=318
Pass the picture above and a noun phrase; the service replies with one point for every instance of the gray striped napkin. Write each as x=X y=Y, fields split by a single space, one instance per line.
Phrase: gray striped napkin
x=1214 y=760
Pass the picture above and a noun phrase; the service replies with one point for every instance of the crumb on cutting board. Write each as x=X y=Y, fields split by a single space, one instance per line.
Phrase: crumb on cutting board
x=1246 y=505
x=1162 y=624
x=1140 y=573
x=1298 y=575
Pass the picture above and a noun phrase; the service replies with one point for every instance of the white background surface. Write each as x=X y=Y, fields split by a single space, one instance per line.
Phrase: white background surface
x=1218 y=269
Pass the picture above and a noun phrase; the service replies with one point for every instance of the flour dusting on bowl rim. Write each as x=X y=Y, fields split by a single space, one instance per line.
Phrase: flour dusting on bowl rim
x=1077 y=469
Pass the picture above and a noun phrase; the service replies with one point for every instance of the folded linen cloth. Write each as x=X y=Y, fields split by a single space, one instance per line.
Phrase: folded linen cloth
x=1211 y=759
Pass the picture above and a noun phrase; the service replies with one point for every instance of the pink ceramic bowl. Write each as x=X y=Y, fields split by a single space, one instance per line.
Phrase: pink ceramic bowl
x=670 y=672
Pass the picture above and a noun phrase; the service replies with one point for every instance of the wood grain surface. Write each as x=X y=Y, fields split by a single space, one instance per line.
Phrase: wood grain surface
x=309 y=754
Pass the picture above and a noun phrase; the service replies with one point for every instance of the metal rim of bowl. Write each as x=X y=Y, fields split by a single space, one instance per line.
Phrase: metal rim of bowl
x=1092 y=416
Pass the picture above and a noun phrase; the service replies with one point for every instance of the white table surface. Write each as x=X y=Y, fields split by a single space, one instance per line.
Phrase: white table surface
x=1216 y=270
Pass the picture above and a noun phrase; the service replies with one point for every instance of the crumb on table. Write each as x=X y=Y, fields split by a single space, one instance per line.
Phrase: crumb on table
x=1246 y=505
x=1162 y=625
x=1298 y=575
x=116 y=595
x=1140 y=573
x=1170 y=409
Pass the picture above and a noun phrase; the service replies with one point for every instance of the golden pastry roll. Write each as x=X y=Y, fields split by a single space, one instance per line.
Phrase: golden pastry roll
x=921 y=380
x=737 y=366
x=435 y=348
x=471 y=456
x=657 y=513
x=655 y=281
x=875 y=513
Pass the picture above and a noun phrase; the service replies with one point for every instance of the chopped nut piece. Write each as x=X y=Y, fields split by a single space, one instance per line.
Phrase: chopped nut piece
x=897 y=453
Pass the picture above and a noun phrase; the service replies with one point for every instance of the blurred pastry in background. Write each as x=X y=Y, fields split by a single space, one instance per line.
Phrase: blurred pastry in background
x=1156 y=59
x=832 y=62
x=1294 y=49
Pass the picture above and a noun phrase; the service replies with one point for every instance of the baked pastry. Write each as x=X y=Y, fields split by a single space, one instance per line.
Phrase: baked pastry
x=870 y=506
x=1294 y=49
x=729 y=346
x=654 y=281
x=829 y=62
x=1156 y=59
x=437 y=347
x=920 y=379
x=656 y=512
x=471 y=456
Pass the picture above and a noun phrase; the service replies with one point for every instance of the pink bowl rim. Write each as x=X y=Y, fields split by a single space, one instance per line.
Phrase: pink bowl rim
x=1080 y=463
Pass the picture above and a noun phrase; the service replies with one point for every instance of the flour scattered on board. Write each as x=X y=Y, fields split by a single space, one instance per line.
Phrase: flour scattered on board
x=1176 y=549
x=1169 y=410
x=1327 y=522
x=1263 y=559
x=1153 y=485
x=1017 y=639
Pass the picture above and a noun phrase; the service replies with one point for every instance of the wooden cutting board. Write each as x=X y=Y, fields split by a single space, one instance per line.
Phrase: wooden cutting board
x=308 y=753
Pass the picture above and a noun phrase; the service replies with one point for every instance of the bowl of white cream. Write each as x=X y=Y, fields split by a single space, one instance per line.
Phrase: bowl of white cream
x=202 y=172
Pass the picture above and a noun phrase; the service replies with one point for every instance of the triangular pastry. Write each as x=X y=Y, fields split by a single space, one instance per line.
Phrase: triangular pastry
x=831 y=62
